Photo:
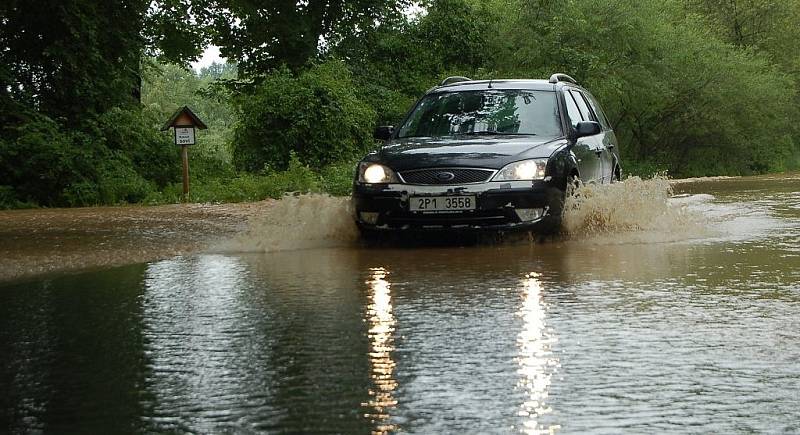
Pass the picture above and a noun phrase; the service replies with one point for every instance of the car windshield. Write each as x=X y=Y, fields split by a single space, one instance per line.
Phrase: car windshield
x=485 y=112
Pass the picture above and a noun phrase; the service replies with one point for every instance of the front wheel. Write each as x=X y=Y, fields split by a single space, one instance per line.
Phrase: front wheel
x=551 y=224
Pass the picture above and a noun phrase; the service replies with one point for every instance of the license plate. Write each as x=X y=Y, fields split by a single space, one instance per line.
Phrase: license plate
x=441 y=203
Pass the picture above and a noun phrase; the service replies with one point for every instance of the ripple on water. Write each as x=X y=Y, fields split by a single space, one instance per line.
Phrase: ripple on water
x=696 y=335
x=669 y=355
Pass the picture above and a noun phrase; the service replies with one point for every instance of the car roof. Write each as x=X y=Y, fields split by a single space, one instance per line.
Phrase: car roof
x=479 y=85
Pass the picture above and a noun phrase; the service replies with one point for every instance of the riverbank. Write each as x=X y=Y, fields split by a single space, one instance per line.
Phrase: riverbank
x=42 y=241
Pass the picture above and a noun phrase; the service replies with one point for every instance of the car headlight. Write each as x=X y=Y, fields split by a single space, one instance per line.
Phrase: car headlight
x=373 y=173
x=523 y=170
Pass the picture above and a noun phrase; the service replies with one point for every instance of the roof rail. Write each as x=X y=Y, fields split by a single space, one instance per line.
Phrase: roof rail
x=454 y=79
x=558 y=77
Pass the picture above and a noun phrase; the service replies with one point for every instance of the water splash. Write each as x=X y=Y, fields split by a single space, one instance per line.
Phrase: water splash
x=298 y=222
x=634 y=210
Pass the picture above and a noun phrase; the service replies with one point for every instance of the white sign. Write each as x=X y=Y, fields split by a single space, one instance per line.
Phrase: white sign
x=184 y=135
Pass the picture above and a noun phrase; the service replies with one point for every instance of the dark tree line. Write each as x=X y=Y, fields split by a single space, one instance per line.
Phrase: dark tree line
x=696 y=87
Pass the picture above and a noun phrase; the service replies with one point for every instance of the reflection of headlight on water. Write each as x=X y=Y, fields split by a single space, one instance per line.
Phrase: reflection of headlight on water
x=536 y=360
x=381 y=336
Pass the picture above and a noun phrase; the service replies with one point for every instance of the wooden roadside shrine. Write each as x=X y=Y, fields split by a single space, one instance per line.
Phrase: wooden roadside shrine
x=184 y=122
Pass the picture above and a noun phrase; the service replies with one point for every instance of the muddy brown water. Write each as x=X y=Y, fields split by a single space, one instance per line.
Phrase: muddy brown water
x=657 y=312
x=48 y=241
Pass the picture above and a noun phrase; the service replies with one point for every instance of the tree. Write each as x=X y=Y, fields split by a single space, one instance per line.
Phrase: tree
x=73 y=58
x=262 y=35
x=768 y=26
x=675 y=92
x=71 y=129
x=315 y=115
x=397 y=61
x=168 y=87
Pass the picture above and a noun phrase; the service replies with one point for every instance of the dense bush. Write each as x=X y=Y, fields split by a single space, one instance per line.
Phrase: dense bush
x=316 y=115
x=40 y=160
x=336 y=179
x=135 y=135
x=121 y=157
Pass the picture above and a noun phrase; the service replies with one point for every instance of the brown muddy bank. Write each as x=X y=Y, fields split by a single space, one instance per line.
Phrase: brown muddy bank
x=41 y=241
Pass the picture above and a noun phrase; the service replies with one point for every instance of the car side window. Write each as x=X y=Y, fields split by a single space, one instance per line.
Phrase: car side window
x=597 y=110
x=586 y=113
x=572 y=109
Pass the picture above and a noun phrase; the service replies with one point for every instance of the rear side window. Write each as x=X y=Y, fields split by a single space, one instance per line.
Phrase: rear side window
x=586 y=113
x=572 y=109
x=597 y=110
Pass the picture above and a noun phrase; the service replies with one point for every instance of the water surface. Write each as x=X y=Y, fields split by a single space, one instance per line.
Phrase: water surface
x=659 y=330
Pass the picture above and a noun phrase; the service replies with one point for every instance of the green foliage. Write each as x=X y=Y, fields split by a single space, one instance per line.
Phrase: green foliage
x=298 y=178
x=262 y=36
x=316 y=114
x=674 y=91
x=71 y=131
x=770 y=27
x=168 y=87
x=135 y=135
x=695 y=87
x=9 y=200
x=119 y=158
x=394 y=65
x=71 y=59
x=337 y=179
x=40 y=161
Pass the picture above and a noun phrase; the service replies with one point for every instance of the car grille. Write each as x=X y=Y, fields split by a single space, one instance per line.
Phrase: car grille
x=438 y=176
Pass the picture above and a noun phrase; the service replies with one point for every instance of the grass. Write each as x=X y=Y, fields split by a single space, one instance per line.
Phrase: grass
x=336 y=179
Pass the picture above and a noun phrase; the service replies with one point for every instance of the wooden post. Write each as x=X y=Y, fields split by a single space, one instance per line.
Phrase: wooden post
x=184 y=122
x=185 y=159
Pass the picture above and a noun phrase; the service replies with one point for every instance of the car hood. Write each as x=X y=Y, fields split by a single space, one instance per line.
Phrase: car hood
x=477 y=152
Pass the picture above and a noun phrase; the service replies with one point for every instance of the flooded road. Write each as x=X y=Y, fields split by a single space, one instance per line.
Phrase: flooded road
x=660 y=314
x=46 y=241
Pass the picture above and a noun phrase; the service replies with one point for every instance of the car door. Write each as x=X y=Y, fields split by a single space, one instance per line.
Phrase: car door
x=584 y=149
x=611 y=154
x=595 y=142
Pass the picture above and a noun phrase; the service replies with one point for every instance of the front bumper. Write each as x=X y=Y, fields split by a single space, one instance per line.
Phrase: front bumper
x=499 y=206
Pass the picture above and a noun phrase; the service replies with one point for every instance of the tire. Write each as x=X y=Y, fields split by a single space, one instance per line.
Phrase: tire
x=551 y=224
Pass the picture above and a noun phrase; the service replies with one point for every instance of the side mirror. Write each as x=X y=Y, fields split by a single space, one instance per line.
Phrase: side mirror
x=586 y=128
x=383 y=132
